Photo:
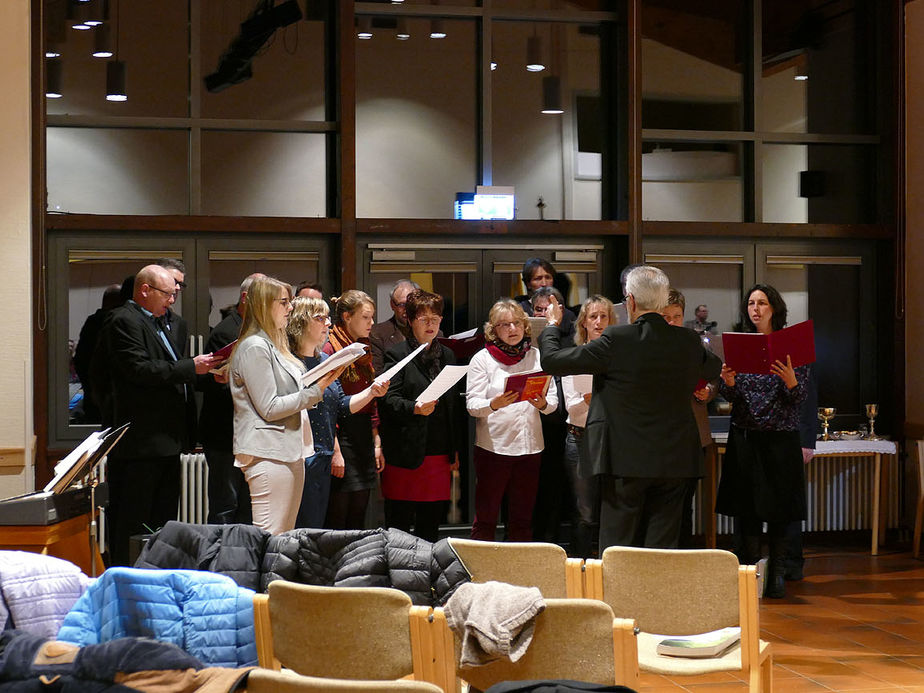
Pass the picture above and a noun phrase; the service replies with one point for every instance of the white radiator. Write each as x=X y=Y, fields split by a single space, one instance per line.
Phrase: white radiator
x=194 y=484
x=839 y=493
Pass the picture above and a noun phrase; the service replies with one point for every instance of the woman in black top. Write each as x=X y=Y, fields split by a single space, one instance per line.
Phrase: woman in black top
x=420 y=440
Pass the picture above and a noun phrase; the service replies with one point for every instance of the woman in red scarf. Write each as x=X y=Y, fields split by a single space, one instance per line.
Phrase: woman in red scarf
x=358 y=434
x=508 y=434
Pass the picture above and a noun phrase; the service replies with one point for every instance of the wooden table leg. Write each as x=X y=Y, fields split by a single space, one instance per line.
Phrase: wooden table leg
x=877 y=487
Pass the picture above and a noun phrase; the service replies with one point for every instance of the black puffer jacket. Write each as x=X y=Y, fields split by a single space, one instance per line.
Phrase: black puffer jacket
x=428 y=573
x=233 y=550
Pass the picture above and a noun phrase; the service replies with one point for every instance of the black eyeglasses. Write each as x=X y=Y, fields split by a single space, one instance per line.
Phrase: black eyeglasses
x=164 y=292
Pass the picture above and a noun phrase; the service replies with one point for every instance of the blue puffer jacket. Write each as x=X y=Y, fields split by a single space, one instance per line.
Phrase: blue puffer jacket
x=206 y=614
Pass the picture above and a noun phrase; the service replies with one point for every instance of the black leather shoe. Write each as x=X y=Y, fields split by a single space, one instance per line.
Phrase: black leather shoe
x=776 y=585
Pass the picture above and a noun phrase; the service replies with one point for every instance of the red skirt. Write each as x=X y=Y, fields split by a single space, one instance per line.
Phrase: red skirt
x=429 y=482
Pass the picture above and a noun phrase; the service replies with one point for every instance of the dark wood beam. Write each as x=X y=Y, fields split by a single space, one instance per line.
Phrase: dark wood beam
x=184 y=223
x=768 y=230
x=459 y=227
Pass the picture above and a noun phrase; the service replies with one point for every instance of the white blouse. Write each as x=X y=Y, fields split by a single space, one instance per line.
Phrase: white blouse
x=515 y=429
x=574 y=400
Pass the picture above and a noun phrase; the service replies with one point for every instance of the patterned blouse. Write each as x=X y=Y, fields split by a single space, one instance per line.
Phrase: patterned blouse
x=764 y=403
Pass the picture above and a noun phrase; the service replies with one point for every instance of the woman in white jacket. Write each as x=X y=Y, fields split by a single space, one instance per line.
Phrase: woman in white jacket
x=272 y=436
x=508 y=433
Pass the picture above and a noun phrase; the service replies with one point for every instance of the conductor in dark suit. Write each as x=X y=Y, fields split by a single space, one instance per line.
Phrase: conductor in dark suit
x=641 y=437
x=150 y=386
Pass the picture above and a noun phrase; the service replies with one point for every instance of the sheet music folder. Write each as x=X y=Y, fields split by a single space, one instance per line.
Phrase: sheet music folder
x=753 y=352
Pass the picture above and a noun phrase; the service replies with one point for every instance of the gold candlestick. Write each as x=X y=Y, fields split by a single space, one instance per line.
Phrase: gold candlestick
x=872 y=410
x=826 y=414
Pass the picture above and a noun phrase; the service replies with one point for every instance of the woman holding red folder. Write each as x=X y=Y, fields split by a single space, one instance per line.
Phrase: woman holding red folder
x=508 y=432
x=762 y=473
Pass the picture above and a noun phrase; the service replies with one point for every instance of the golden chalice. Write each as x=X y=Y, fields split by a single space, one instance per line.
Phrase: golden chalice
x=826 y=414
x=872 y=410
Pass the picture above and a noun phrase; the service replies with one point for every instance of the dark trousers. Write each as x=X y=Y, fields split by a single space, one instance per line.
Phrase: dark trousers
x=143 y=496
x=641 y=511
x=315 y=494
x=229 y=495
x=423 y=516
x=515 y=475
x=347 y=509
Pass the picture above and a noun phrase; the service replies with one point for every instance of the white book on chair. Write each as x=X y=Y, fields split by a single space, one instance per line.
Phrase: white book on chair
x=701 y=645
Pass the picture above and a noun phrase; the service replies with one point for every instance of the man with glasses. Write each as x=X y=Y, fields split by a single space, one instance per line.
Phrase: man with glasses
x=174 y=324
x=151 y=384
x=395 y=330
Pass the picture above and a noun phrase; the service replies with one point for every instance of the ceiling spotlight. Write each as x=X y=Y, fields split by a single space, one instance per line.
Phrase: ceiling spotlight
x=102 y=42
x=115 y=81
x=403 y=32
x=364 y=33
x=98 y=13
x=493 y=66
x=534 y=54
x=437 y=29
x=801 y=74
x=53 y=79
x=76 y=15
x=52 y=50
x=551 y=95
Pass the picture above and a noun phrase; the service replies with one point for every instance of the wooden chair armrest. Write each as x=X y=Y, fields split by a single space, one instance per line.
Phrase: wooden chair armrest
x=264 y=633
x=593 y=579
x=574 y=578
x=625 y=652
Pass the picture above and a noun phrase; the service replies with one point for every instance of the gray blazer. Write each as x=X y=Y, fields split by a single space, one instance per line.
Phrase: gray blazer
x=268 y=397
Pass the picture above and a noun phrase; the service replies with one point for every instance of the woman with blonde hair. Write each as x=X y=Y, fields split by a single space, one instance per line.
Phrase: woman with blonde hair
x=596 y=314
x=508 y=433
x=271 y=434
x=358 y=434
x=307 y=329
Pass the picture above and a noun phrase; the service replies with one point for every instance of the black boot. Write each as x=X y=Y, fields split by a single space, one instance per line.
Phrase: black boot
x=775 y=585
x=776 y=568
x=747 y=542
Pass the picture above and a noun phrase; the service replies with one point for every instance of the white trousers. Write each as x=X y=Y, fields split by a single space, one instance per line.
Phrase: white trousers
x=275 y=492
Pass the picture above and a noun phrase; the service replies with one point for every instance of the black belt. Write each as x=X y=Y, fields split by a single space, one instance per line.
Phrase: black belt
x=576 y=431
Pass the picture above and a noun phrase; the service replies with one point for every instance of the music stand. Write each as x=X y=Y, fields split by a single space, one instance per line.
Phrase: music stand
x=79 y=464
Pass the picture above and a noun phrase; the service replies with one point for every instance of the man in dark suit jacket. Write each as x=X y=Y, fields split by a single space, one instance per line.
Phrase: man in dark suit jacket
x=385 y=335
x=229 y=495
x=640 y=435
x=150 y=387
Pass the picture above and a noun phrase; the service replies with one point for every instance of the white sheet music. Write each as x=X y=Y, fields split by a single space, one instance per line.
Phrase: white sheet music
x=536 y=325
x=463 y=335
x=390 y=373
x=344 y=357
x=447 y=377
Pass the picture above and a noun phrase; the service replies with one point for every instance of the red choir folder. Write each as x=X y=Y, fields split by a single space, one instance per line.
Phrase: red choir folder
x=753 y=352
x=528 y=385
x=225 y=351
x=464 y=348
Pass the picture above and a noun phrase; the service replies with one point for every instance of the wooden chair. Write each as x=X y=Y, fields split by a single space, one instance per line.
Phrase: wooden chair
x=573 y=639
x=369 y=633
x=267 y=681
x=527 y=564
x=678 y=592
x=919 y=510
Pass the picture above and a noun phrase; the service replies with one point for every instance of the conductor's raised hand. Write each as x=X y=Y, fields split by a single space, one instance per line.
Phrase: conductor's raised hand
x=554 y=312
x=728 y=376
x=503 y=400
x=786 y=372
x=424 y=409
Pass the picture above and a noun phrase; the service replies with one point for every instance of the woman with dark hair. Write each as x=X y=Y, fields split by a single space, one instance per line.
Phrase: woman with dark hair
x=358 y=433
x=762 y=472
x=421 y=440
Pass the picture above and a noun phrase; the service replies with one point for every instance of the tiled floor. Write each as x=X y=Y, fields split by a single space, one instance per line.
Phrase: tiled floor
x=855 y=623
